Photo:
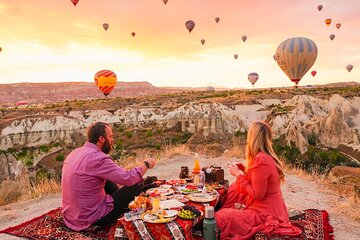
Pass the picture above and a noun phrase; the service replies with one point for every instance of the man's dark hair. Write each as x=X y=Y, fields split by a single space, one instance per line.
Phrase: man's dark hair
x=95 y=131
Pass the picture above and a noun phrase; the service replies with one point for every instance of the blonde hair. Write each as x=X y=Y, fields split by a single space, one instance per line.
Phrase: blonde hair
x=259 y=139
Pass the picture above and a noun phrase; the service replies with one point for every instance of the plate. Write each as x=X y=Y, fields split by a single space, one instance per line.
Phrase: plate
x=177 y=181
x=166 y=186
x=179 y=197
x=215 y=186
x=201 y=197
x=162 y=191
x=190 y=189
x=152 y=218
x=171 y=213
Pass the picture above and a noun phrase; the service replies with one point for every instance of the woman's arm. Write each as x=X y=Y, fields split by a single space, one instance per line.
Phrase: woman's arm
x=257 y=186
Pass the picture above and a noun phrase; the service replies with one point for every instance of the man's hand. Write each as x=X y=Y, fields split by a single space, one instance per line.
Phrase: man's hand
x=151 y=162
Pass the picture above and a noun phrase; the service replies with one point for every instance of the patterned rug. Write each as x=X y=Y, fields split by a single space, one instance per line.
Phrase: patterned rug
x=51 y=226
x=315 y=225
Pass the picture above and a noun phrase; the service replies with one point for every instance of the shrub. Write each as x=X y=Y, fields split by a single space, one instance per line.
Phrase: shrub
x=149 y=133
x=60 y=157
x=128 y=134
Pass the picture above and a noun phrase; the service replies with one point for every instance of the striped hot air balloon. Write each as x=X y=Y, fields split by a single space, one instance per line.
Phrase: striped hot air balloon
x=295 y=56
x=106 y=81
x=253 y=77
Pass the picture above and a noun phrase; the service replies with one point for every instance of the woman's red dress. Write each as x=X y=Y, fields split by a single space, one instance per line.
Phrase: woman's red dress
x=265 y=207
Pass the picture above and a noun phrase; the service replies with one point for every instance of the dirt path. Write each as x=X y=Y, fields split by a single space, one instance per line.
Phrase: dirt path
x=298 y=193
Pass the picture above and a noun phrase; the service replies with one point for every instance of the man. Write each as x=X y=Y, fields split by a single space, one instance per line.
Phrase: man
x=90 y=195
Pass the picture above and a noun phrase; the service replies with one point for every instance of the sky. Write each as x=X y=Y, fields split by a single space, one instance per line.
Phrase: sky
x=53 y=41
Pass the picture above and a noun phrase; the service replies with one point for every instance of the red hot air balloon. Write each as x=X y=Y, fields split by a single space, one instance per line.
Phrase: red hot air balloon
x=75 y=2
x=106 y=81
x=217 y=19
x=244 y=37
x=202 y=41
x=332 y=36
x=319 y=7
x=328 y=21
x=313 y=73
x=338 y=25
x=165 y=1
x=236 y=56
x=190 y=25
x=133 y=34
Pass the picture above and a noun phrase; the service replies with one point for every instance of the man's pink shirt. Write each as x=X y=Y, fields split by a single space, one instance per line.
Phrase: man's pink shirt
x=84 y=174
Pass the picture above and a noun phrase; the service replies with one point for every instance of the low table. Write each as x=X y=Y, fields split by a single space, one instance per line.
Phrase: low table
x=176 y=229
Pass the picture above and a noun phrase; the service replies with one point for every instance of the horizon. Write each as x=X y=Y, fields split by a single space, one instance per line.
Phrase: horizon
x=51 y=41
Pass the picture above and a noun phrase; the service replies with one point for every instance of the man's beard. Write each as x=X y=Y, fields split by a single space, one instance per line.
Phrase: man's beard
x=106 y=148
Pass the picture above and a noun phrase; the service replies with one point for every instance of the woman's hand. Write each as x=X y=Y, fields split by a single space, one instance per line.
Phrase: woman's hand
x=234 y=170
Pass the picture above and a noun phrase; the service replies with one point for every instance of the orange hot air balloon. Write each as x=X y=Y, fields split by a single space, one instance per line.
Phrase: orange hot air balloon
x=190 y=25
x=133 y=34
x=75 y=2
x=106 y=81
x=244 y=37
x=349 y=67
x=319 y=7
x=105 y=26
x=332 y=36
x=328 y=21
x=338 y=25
x=236 y=56
x=165 y=1
x=217 y=19
x=202 y=41
x=313 y=73
x=295 y=56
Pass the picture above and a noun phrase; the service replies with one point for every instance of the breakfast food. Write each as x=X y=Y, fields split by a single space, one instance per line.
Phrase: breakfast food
x=189 y=212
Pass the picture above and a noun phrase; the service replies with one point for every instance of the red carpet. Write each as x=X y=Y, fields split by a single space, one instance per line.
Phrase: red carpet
x=315 y=225
x=51 y=226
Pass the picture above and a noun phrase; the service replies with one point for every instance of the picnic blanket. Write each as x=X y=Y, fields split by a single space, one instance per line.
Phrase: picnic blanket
x=51 y=226
x=315 y=225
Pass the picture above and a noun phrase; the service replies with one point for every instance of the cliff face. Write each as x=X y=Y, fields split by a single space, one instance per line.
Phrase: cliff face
x=333 y=122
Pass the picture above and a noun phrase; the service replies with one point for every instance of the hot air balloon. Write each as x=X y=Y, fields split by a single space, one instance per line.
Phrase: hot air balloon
x=244 y=37
x=0 y=49
x=332 y=36
x=313 y=73
x=349 y=67
x=133 y=34
x=106 y=81
x=274 y=57
x=328 y=21
x=217 y=19
x=75 y=2
x=165 y=1
x=295 y=56
x=236 y=56
x=190 y=25
x=253 y=77
x=202 y=41
x=319 y=7
x=105 y=26
x=338 y=25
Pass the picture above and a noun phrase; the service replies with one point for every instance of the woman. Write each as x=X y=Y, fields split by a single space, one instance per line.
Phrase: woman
x=259 y=189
